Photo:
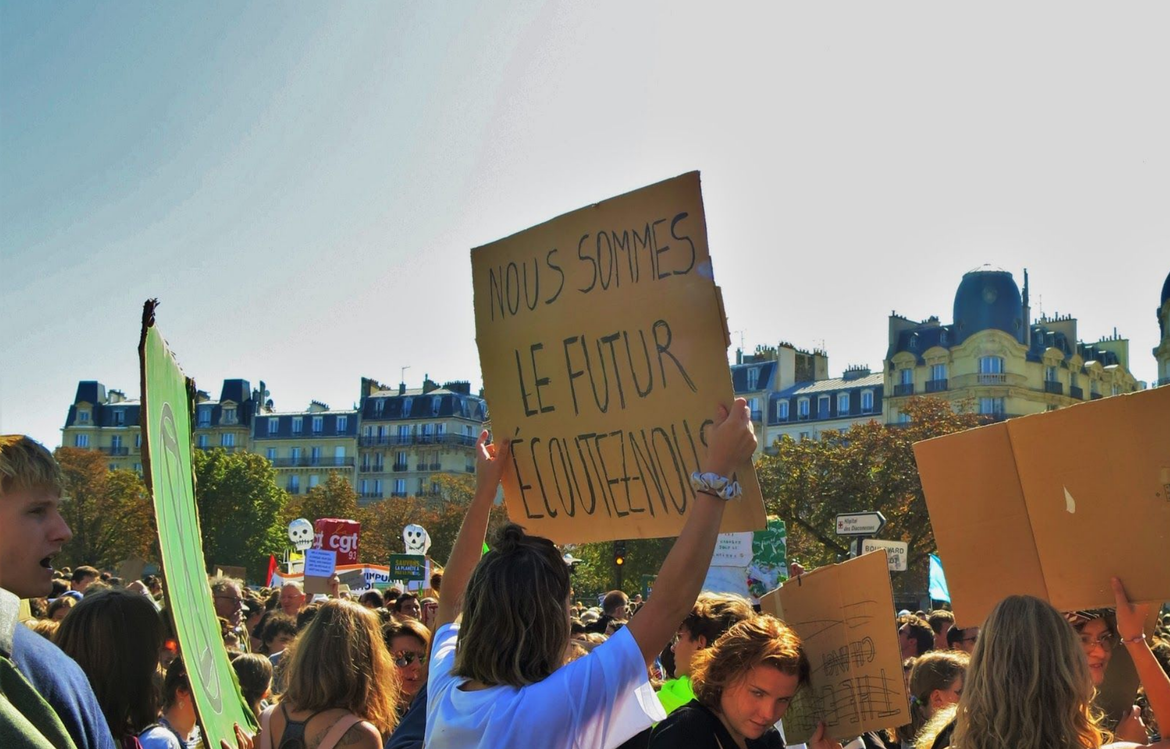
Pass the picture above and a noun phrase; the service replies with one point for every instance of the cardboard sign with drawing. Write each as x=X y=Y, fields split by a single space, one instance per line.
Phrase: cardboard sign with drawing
x=604 y=352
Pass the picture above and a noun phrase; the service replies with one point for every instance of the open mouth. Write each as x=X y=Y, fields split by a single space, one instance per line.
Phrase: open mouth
x=47 y=562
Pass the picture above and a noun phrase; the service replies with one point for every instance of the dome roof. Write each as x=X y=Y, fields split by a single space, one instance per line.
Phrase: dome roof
x=988 y=298
x=1165 y=292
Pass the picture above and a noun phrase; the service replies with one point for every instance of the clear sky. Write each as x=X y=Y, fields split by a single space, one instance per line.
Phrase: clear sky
x=300 y=183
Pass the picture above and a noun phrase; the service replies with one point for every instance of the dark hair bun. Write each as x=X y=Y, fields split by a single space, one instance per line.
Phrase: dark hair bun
x=509 y=539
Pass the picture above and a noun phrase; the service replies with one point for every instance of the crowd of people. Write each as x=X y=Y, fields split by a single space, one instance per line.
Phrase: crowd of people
x=496 y=652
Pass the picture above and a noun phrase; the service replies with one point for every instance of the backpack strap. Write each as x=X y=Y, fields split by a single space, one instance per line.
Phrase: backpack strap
x=337 y=730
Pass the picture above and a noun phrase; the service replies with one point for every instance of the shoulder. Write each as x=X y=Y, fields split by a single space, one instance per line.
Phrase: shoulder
x=158 y=737
x=361 y=735
x=36 y=656
x=691 y=725
x=770 y=740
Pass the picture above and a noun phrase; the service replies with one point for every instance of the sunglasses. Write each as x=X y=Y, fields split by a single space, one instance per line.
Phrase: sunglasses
x=407 y=657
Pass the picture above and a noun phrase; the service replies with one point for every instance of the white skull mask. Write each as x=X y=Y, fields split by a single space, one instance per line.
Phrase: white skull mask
x=300 y=532
x=416 y=538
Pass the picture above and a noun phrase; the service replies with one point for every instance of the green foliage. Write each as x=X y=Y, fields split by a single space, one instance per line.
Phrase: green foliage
x=598 y=575
x=869 y=467
x=109 y=512
x=241 y=510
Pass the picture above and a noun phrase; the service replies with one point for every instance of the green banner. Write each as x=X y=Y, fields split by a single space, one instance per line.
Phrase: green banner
x=408 y=567
x=166 y=426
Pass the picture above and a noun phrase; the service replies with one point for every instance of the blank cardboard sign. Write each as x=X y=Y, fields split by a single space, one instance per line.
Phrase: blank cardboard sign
x=603 y=347
x=844 y=614
x=1053 y=505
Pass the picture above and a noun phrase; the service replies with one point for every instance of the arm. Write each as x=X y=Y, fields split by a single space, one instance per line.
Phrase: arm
x=489 y=467
x=681 y=577
x=1131 y=622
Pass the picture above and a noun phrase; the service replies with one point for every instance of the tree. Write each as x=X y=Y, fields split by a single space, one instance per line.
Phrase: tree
x=869 y=467
x=333 y=499
x=110 y=513
x=241 y=509
x=598 y=575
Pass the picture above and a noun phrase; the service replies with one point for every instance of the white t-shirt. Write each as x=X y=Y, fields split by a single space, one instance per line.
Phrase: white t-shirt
x=596 y=702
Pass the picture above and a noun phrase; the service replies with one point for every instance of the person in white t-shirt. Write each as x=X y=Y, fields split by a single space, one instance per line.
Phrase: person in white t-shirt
x=498 y=679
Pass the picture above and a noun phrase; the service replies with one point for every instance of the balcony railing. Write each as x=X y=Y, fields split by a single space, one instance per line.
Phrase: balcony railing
x=992 y=378
x=398 y=495
x=370 y=495
x=225 y=448
x=398 y=467
x=904 y=389
x=311 y=462
x=936 y=386
x=1076 y=392
x=1056 y=388
x=1163 y=381
x=395 y=440
x=293 y=489
x=375 y=468
x=1095 y=396
x=115 y=450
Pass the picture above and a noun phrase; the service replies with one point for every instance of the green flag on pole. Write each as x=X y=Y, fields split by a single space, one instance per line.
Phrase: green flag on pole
x=166 y=426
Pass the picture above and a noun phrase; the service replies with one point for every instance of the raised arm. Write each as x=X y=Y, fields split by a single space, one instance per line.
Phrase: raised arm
x=489 y=467
x=731 y=442
x=1131 y=623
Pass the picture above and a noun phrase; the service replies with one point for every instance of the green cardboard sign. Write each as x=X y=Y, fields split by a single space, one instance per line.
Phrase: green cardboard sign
x=408 y=567
x=166 y=427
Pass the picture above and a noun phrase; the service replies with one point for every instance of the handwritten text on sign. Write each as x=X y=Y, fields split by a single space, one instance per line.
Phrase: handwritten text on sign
x=604 y=354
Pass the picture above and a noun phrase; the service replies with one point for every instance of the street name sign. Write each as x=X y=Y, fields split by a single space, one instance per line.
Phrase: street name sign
x=896 y=551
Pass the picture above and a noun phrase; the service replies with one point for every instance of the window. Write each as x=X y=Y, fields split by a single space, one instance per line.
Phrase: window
x=842 y=404
x=273 y=424
x=426 y=433
x=991 y=365
x=823 y=407
x=378 y=487
x=339 y=455
x=407 y=403
x=318 y=424
x=201 y=441
x=1072 y=379
x=83 y=417
x=436 y=404
x=991 y=406
x=866 y=401
x=298 y=425
x=440 y=430
x=803 y=436
x=400 y=460
x=138 y=468
x=315 y=455
x=379 y=406
x=782 y=410
x=403 y=434
x=120 y=418
x=295 y=454
x=1050 y=374
x=905 y=376
x=400 y=487
x=342 y=424
x=903 y=418
x=753 y=378
x=802 y=408
x=363 y=487
x=138 y=441
x=81 y=440
x=314 y=480
x=228 y=439
x=294 y=484
x=204 y=418
x=116 y=442
x=271 y=454
x=938 y=372
x=1116 y=389
x=229 y=415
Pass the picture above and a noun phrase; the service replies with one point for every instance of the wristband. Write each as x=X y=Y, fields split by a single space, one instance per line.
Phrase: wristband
x=714 y=484
x=1139 y=638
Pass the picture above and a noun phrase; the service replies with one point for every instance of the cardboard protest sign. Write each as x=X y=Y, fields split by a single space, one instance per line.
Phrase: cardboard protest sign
x=232 y=571
x=408 y=567
x=603 y=347
x=341 y=536
x=844 y=614
x=166 y=447
x=131 y=569
x=1067 y=499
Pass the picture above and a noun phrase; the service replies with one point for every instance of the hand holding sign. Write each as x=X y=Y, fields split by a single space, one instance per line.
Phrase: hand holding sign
x=731 y=439
x=490 y=461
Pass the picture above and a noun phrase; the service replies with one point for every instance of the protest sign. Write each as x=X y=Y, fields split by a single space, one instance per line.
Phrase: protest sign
x=896 y=551
x=603 y=346
x=844 y=614
x=732 y=550
x=1057 y=495
x=166 y=447
x=749 y=564
x=131 y=569
x=320 y=563
x=233 y=571
x=408 y=567
x=341 y=536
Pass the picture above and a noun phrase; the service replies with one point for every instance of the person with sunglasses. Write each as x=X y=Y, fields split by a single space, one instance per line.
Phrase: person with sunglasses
x=409 y=642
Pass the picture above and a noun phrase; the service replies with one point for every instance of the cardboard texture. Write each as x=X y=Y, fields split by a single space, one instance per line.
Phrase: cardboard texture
x=131 y=569
x=1053 y=505
x=844 y=614
x=237 y=573
x=603 y=347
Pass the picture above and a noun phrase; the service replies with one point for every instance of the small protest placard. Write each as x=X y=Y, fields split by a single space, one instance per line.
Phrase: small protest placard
x=408 y=567
x=603 y=346
x=844 y=614
x=320 y=563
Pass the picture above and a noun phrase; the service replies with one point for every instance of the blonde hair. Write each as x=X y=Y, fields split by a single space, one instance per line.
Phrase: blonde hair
x=1028 y=685
x=762 y=640
x=935 y=670
x=26 y=464
x=340 y=661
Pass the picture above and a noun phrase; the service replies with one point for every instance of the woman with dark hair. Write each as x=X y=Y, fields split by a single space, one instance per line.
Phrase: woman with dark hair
x=254 y=672
x=498 y=678
x=115 y=636
x=743 y=685
x=342 y=686
x=936 y=682
x=174 y=727
x=410 y=646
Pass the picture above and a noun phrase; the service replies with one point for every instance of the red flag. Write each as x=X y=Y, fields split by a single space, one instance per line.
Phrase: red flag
x=271 y=569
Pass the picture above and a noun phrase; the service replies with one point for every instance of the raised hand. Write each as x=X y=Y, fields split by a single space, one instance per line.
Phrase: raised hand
x=730 y=439
x=490 y=461
x=1131 y=618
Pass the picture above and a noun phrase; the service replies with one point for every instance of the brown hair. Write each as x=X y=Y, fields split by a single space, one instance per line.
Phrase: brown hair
x=939 y=620
x=1028 y=685
x=254 y=672
x=762 y=640
x=407 y=628
x=515 y=622
x=46 y=628
x=340 y=661
x=920 y=632
x=26 y=464
x=714 y=614
x=937 y=669
x=115 y=636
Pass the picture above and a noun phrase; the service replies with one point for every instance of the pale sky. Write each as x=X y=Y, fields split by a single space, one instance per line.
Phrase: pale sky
x=300 y=184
